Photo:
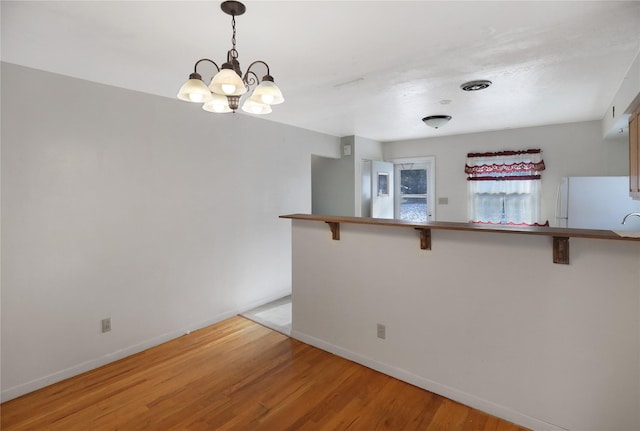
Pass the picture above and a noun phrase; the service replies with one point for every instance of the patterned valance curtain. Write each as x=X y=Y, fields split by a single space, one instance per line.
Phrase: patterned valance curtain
x=505 y=188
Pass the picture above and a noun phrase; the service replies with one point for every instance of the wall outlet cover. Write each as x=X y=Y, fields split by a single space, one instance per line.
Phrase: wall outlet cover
x=106 y=324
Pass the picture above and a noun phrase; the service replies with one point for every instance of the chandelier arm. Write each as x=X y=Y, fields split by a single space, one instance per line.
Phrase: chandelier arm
x=195 y=67
x=250 y=78
x=252 y=64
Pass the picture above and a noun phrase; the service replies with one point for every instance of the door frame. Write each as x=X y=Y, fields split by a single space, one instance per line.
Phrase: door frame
x=430 y=162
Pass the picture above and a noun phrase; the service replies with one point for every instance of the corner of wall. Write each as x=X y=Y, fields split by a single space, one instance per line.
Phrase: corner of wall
x=626 y=100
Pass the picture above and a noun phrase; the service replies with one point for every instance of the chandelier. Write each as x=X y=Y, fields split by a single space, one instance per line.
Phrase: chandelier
x=228 y=85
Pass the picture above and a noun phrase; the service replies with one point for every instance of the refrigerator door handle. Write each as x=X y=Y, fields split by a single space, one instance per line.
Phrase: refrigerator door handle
x=561 y=202
x=558 y=200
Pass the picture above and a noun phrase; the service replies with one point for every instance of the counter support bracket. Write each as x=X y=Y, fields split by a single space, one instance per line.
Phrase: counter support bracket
x=335 y=230
x=561 y=250
x=425 y=239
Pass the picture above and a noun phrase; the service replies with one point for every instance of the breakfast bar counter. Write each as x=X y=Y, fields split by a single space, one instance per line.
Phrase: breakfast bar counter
x=560 y=236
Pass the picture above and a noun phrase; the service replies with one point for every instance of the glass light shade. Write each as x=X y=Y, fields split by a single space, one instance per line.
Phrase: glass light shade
x=228 y=83
x=194 y=90
x=252 y=106
x=218 y=104
x=436 y=121
x=268 y=92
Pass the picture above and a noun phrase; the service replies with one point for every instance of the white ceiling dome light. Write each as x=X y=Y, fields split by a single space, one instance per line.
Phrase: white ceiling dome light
x=436 y=121
x=476 y=85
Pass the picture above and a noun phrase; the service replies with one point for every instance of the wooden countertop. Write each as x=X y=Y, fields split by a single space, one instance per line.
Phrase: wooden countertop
x=560 y=235
x=444 y=225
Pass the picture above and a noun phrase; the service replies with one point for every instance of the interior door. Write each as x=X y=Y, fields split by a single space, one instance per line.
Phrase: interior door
x=381 y=189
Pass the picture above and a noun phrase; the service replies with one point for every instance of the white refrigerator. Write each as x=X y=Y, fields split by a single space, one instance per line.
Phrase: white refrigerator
x=596 y=203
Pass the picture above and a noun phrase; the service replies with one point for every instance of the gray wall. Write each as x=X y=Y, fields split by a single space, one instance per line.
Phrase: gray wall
x=332 y=185
x=332 y=182
x=144 y=209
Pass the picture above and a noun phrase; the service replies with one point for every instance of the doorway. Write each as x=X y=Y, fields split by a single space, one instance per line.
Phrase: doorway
x=275 y=315
x=414 y=190
x=402 y=189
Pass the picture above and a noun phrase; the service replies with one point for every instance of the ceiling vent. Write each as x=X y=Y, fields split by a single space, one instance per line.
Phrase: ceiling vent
x=476 y=85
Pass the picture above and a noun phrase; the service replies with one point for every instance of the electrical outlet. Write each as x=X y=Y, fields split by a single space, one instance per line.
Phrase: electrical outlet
x=106 y=324
x=382 y=331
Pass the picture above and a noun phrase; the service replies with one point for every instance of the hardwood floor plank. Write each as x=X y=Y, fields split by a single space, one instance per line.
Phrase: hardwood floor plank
x=449 y=417
x=238 y=376
x=475 y=421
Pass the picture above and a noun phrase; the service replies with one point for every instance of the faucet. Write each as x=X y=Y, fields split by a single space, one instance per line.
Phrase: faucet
x=630 y=214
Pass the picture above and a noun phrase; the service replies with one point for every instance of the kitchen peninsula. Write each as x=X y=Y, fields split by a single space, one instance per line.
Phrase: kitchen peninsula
x=478 y=316
x=560 y=235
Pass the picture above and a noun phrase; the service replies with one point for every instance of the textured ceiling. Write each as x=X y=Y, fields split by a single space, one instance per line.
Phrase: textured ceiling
x=365 y=68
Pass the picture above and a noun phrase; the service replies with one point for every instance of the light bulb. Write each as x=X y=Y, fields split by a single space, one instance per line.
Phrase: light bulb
x=217 y=103
x=194 y=90
x=253 y=106
x=268 y=92
x=217 y=107
x=267 y=98
x=228 y=88
x=196 y=97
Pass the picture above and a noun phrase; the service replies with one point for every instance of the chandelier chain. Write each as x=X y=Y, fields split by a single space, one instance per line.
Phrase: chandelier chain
x=233 y=53
x=233 y=38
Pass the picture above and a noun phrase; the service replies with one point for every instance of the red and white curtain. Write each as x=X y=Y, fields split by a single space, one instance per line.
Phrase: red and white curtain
x=505 y=188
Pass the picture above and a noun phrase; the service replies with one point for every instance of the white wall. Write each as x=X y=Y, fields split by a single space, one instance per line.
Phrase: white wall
x=483 y=318
x=332 y=189
x=575 y=149
x=144 y=209
x=365 y=149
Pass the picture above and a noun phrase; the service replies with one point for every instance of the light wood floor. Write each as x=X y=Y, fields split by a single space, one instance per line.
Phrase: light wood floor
x=238 y=375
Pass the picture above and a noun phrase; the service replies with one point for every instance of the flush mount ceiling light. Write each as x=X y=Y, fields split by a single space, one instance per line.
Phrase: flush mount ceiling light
x=480 y=84
x=228 y=85
x=436 y=121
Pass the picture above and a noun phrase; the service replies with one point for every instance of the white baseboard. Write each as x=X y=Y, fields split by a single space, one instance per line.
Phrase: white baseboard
x=435 y=387
x=92 y=364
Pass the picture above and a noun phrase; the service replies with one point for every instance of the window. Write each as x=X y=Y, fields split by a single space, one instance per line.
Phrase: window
x=414 y=190
x=383 y=183
x=505 y=187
